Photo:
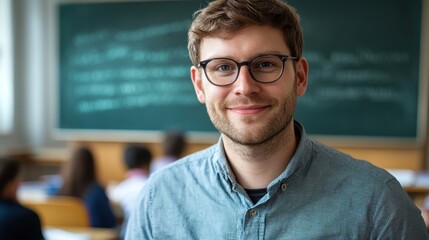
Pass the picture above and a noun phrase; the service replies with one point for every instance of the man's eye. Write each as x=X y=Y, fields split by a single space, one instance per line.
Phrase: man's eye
x=223 y=68
x=265 y=65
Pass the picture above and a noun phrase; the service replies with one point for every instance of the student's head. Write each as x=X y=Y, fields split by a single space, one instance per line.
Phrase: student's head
x=137 y=156
x=82 y=164
x=79 y=172
x=223 y=17
x=174 y=143
x=9 y=175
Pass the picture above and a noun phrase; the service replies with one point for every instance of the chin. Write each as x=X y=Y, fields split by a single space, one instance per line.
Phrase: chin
x=247 y=136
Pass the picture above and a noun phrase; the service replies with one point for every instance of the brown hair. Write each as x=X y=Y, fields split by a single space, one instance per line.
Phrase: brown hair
x=79 y=173
x=174 y=143
x=137 y=156
x=9 y=170
x=227 y=16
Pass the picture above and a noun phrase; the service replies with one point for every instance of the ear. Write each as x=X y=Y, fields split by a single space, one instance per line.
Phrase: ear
x=301 y=76
x=198 y=83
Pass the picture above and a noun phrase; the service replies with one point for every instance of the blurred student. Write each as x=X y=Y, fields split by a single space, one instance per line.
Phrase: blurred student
x=16 y=221
x=173 y=146
x=79 y=180
x=137 y=159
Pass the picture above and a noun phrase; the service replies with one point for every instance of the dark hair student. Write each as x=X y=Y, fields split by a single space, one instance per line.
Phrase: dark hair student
x=79 y=180
x=16 y=221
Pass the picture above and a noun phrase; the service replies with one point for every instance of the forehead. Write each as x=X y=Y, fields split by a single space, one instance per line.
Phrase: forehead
x=245 y=43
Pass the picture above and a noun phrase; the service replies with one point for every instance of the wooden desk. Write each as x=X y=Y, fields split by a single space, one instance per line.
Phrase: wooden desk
x=417 y=192
x=77 y=233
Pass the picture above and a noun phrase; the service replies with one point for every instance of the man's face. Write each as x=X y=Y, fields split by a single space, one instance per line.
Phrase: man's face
x=249 y=112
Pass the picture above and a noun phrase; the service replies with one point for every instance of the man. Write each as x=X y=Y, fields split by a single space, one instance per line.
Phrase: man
x=137 y=159
x=265 y=179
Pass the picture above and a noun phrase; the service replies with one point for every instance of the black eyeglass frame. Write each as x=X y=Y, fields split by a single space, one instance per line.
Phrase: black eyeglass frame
x=283 y=58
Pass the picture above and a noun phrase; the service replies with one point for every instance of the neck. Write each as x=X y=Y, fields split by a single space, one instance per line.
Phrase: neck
x=257 y=165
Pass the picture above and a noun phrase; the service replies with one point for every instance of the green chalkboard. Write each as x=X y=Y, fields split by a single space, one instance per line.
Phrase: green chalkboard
x=125 y=66
x=364 y=67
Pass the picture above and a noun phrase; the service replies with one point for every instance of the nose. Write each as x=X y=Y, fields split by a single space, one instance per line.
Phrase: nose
x=245 y=84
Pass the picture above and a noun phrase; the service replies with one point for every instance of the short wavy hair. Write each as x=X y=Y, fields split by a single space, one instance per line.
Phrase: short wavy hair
x=222 y=17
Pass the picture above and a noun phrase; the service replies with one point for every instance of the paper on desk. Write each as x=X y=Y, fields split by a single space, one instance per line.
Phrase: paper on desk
x=405 y=177
x=59 y=234
x=422 y=180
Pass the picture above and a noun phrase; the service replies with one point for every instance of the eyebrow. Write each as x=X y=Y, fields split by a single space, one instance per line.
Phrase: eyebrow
x=252 y=57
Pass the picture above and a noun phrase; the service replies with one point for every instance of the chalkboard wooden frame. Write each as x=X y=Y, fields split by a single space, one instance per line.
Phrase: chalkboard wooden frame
x=336 y=139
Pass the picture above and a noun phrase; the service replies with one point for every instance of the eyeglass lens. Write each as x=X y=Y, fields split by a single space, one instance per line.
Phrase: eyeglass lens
x=266 y=69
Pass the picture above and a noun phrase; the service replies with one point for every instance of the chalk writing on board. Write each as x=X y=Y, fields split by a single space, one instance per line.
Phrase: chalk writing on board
x=339 y=76
x=152 y=77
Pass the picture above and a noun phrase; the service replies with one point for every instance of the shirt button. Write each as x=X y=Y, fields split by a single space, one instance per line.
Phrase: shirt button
x=283 y=187
x=252 y=212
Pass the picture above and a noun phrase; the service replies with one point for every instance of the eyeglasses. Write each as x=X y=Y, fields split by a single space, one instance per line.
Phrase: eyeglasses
x=264 y=69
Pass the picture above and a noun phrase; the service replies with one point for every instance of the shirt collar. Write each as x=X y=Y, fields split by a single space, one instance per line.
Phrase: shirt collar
x=295 y=166
x=221 y=164
x=299 y=159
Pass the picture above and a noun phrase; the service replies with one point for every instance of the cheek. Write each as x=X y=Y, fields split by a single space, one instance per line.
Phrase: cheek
x=214 y=94
x=285 y=87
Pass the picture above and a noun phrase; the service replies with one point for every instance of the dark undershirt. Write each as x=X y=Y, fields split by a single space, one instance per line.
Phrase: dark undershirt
x=256 y=194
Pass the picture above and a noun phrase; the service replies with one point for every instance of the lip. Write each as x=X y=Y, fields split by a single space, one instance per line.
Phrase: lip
x=248 y=109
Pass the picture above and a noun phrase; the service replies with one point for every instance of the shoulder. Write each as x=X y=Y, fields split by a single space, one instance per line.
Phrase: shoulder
x=95 y=191
x=339 y=172
x=342 y=164
x=19 y=222
x=11 y=212
x=331 y=166
x=370 y=186
x=95 y=187
x=173 y=189
x=184 y=172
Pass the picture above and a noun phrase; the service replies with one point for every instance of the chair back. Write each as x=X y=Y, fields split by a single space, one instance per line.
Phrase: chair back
x=59 y=211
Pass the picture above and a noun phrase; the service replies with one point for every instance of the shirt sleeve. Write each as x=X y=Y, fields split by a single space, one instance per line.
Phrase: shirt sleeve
x=140 y=223
x=396 y=216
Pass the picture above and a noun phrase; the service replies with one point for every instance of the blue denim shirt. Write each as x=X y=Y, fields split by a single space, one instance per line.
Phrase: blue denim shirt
x=322 y=194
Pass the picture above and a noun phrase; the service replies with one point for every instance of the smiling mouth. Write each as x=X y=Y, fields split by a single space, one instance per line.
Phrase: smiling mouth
x=248 y=110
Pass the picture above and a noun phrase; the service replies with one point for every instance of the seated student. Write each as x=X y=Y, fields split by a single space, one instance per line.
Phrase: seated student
x=16 y=221
x=79 y=180
x=137 y=159
x=173 y=146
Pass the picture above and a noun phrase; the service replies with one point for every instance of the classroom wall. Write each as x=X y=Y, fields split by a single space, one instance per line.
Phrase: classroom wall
x=32 y=83
x=34 y=102
x=16 y=138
